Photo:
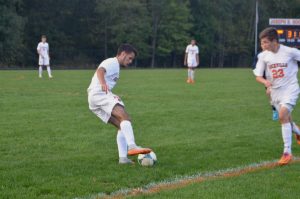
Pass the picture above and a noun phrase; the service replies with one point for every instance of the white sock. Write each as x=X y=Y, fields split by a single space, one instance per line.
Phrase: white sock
x=127 y=131
x=287 y=137
x=192 y=74
x=40 y=71
x=49 y=71
x=122 y=144
x=189 y=73
x=295 y=128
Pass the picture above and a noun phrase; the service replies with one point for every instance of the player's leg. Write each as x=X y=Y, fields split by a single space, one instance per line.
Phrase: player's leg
x=121 y=142
x=275 y=115
x=49 y=71
x=295 y=129
x=286 y=129
x=122 y=116
x=192 y=75
x=189 y=75
x=40 y=71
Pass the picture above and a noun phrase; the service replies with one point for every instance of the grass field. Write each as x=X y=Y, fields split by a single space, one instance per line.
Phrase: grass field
x=52 y=146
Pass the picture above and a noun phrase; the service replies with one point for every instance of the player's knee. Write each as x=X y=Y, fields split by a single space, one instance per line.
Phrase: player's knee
x=283 y=118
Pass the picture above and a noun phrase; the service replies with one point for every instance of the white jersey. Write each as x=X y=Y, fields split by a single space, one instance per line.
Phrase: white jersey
x=43 y=48
x=281 y=67
x=112 y=67
x=192 y=52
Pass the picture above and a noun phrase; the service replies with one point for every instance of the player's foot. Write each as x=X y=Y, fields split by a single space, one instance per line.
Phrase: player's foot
x=50 y=76
x=275 y=115
x=125 y=161
x=285 y=159
x=297 y=138
x=138 y=150
x=40 y=76
x=188 y=81
x=192 y=81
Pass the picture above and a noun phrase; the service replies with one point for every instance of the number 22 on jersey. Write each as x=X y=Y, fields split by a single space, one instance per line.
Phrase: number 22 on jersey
x=277 y=73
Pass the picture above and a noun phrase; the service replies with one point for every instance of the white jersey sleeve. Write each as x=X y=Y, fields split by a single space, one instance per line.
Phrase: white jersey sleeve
x=260 y=66
x=295 y=54
x=187 y=49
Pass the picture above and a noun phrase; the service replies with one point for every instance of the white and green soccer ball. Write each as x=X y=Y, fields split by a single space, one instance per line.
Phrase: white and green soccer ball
x=148 y=159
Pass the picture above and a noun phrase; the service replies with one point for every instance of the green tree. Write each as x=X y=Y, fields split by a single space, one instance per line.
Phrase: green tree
x=170 y=28
x=11 y=32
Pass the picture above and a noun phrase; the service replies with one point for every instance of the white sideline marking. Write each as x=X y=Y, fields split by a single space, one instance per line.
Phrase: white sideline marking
x=182 y=181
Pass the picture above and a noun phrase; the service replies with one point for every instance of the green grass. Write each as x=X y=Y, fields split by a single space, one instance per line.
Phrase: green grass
x=281 y=182
x=52 y=146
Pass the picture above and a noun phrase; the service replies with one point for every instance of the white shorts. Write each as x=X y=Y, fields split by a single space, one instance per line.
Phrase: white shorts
x=44 y=61
x=285 y=96
x=192 y=63
x=102 y=104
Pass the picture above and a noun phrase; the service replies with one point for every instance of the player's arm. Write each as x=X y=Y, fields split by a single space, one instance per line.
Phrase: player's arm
x=197 y=58
x=259 y=72
x=100 y=74
x=263 y=81
x=48 y=52
x=185 y=59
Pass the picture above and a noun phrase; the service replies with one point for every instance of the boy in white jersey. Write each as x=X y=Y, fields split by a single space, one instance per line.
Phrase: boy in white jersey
x=280 y=64
x=191 y=60
x=44 y=58
x=109 y=107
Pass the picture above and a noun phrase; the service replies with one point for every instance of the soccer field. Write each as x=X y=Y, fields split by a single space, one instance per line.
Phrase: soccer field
x=52 y=146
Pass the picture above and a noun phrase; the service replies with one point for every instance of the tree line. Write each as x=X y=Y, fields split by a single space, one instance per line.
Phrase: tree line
x=83 y=32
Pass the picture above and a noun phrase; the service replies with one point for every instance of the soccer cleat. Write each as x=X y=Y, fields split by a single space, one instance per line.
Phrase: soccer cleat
x=188 y=81
x=40 y=76
x=275 y=116
x=50 y=76
x=125 y=161
x=138 y=150
x=192 y=81
x=297 y=138
x=285 y=159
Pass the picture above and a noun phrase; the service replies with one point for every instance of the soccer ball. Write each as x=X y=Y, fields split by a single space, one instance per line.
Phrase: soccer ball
x=147 y=160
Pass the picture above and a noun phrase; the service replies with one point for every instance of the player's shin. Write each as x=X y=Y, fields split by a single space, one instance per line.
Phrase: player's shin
x=295 y=128
x=287 y=137
x=49 y=71
x=122 y=145
x=127 y=130
x=40 y=71
x=192 y=75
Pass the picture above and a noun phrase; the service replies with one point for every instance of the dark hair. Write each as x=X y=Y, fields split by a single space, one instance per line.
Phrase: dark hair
x=127 y=48
x=270 y=33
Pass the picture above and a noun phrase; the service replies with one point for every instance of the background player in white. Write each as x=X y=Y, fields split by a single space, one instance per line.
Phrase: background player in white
x=191 y=60
x=280 y=64
x=109 y=107
x=44 y=57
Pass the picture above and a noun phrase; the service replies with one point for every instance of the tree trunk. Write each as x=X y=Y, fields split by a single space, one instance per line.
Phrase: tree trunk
x=154 y=40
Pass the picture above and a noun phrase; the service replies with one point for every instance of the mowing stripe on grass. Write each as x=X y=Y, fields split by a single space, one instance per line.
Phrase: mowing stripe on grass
x=183 y=181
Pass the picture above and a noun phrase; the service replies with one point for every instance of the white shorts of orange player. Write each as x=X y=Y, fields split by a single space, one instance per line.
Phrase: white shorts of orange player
x=44 y=61
x=192 y=63
x=102 y=104
x=285 y=96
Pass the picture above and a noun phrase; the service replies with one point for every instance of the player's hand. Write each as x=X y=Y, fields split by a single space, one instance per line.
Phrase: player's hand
x=105 y=88
x=268 y=91
x=184 y=63
x=267 y=84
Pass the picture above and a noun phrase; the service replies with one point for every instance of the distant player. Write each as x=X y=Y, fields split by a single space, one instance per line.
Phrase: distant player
x=280 y=64
x=44 y=57
x=191 y=60
x=274 y=111
x=109 y=107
